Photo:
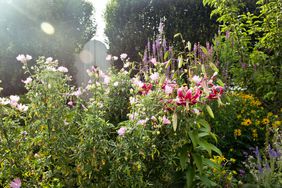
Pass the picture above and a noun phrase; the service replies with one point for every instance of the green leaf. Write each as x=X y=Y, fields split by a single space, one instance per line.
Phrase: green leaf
x=189 y=45
x=203 y=69
x=199 y=162
x=220 y=82
x=203 y=134
x=194 y=138
x=205 y=146
x=180 y=61
x=205 y=51
x=183 y=160
x=213 y=67
x=210 y=111
x=177 y=35
x=208 y=162
x=174 y=121
x=190 y=174
x=215 y=149
x=168 y=64
x=208 y=182
x=166 y=55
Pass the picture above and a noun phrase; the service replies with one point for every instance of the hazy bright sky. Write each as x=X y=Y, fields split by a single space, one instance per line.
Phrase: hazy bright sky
x=100 y=6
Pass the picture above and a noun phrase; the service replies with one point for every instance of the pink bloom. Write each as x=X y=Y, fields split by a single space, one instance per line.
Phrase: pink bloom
x=77 y=93
x=196 y=79
x=155 y=76
x=27 y=81
x=154 y=61
x=216 y=92
x=121 y=131
x=4 y=101
x=146 y=88
x=137 y=82
x=16 y=183
x=22 y=107
x=188 y=95
x=49 y=60
x=166 y=121
x=123 y=56
x=23 y=59
x=62 y=69
x=168 y=89
x=14 y=99
x=142 y=121
x=107 y=80
x=70 y=103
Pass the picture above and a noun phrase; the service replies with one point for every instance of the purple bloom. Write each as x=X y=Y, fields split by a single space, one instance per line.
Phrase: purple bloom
x=16 y=183
x=272 y=153
x=241 y=172
x=121 y=131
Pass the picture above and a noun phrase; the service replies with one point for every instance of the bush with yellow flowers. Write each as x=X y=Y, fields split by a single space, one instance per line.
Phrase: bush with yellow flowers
x=242 y=124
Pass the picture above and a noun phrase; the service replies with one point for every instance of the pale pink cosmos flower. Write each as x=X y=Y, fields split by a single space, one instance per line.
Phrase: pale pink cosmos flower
x=49 y=60
x=14 y=99
x=142 y=121
x=168 y=89
x=27 y=81
x=23 y=59
x=4 y=101
x=62 y=69
x=123 y=56
x=53 y=69
x=196 y=79
x=22 y=107
x=155 y=76
x=77 y=93
x=137 y=82
x=16 y=183
x=166 y=121
x=154 y=61
x=121 y=131
x=107 y=80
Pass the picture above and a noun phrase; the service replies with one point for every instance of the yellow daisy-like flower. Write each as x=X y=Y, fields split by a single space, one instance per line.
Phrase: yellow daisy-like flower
x=247 y=122
x=237 y=132
x=265 y=121
x=276 y=124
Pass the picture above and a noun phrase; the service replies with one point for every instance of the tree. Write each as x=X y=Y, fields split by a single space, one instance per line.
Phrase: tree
x=129 y=23
x=251 y=52
x=21 y=32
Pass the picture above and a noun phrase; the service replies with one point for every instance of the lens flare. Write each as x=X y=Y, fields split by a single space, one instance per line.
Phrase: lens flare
x=47 y=28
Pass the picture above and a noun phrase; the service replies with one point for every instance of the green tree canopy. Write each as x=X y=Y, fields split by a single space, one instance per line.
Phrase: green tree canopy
x=129 y=23
x=21 y=33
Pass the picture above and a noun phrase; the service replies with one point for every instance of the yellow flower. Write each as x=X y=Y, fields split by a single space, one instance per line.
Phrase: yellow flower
x=232 y=160
x=255 y=134
x=247 y=122
x=265 y=121
x=269 y=114
x=237 y=132
x=276 y=124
